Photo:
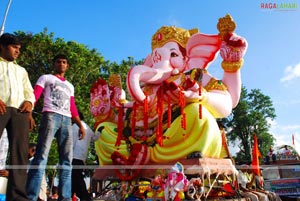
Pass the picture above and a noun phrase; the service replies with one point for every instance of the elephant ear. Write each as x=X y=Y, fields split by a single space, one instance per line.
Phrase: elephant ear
x=201 y=50
x=148 y=61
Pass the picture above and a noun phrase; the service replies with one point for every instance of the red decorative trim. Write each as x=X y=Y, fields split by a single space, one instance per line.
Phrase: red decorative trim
x=146 y=114
x=133 y=118
x=160 y=108
x=200 y=105
x=169 y=112
x=182 y=105
x=138 y=156
x=120 y=126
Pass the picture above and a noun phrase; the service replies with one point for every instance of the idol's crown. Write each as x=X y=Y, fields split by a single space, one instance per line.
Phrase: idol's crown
x=171 y=33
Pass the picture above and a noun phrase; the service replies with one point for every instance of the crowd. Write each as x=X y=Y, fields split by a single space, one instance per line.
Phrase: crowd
x=272 y=157
x=27 y=162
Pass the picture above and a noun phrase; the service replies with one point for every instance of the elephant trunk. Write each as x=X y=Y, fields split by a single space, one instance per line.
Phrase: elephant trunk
x=144 y=74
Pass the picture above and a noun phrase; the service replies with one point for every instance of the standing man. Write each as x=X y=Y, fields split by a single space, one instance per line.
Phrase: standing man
x=58 y=110
x=16 y=103
x=80 y=151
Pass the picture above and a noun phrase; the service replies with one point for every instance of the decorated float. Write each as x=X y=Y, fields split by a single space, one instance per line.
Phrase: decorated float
x=282 y=175
x=163 y=139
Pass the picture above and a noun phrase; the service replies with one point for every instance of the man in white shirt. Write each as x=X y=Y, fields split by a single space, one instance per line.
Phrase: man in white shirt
x=244 y=180
x=286 y=152
x=80 y=151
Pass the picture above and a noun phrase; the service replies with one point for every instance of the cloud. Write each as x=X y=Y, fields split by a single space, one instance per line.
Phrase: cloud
x=288 y=102
x=291 y=73
x=276 y=128
x=283 y=133
x=272 y=122
x=282 y=139
x=291 y=127
x=173 y=22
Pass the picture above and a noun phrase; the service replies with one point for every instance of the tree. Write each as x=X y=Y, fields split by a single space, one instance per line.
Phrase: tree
x=252 y=115
x=86 y=66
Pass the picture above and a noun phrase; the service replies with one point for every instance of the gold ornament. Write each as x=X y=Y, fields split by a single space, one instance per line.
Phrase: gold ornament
x=226 y=25
x=171 y=33
x=115 y=80
x=214 y=84
x=232 y=66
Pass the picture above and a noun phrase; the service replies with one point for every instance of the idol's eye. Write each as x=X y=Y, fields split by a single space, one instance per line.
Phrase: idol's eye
x=174 y=54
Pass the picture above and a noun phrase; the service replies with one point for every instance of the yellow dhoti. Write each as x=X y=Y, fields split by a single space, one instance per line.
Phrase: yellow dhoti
x=201 y=135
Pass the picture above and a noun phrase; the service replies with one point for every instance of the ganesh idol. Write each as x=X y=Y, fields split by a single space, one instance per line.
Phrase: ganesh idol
x=174 y=101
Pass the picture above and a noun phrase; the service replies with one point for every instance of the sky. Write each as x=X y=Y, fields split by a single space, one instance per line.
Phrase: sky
x=119 y=29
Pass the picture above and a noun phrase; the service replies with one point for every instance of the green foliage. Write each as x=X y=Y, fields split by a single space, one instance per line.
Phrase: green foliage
x=252 y=115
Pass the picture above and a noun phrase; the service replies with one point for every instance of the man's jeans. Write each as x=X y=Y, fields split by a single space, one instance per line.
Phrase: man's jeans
x=59 y=126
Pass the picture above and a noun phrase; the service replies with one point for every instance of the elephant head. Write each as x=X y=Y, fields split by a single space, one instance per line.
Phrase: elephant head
x=174 y=51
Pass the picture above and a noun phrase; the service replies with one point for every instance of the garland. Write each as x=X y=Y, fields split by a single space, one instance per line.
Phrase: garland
x=138 y=156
